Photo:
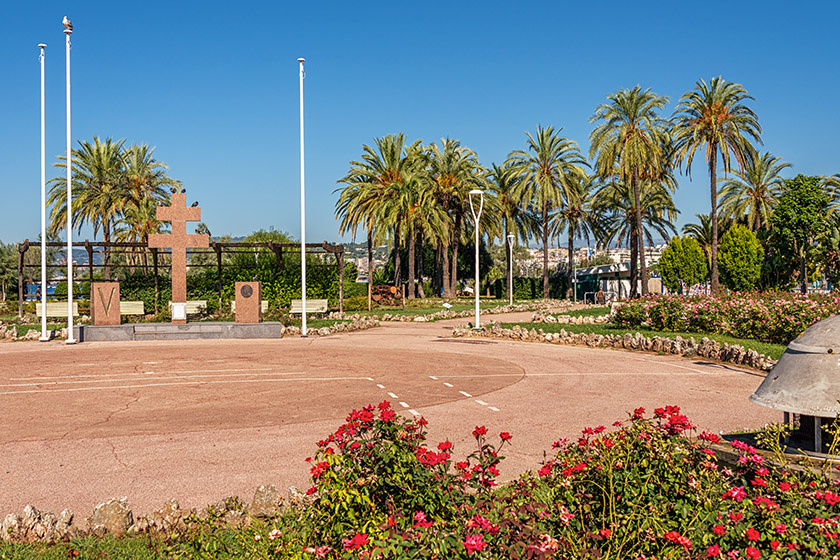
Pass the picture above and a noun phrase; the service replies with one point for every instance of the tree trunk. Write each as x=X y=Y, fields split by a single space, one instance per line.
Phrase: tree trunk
x=437 y=282
x=803 y=272
x=411 y=265
x=634 y=271
x=370 y=266
x=447 y=286
x=106 y=230
x=456 y=240
x=640 y=236
x=715 y=283
x=570 y=271
x=545 y=251
x=418 y=248
x=397 y=260
x=508 y=262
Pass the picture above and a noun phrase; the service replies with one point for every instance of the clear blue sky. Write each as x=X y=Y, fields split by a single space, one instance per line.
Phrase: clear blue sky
x=214 y=86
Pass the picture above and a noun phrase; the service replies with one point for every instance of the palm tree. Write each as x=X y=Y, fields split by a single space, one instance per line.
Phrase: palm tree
x=516 y=220
x=714 y=115
x=137 y=223
x=546 y=170
x=453 y=172
x=144 y=176
x=702 y=232
x=632 y=143
x=752 y=193
x=370 y=184
x=97 y=178
x=575 y=216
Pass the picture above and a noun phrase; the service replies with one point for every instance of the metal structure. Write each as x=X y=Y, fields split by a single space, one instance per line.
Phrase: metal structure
x=161 y=258
x=806 y=383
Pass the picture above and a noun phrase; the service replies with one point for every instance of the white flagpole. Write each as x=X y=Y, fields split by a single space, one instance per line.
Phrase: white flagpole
x=44 y=336
x=302 y=212
x=70 y=339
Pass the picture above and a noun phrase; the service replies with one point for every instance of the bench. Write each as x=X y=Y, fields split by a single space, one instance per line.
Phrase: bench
x=312 y=306
x=263 y=305
x=57 y=309
x=132 y=308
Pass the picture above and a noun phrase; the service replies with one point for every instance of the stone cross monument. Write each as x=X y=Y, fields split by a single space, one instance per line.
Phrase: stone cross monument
x=178 y=214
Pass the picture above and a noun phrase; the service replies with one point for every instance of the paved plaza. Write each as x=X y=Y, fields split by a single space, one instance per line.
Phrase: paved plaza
x=201 y=420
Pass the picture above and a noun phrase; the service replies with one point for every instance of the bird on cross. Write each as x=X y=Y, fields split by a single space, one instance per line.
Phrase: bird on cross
x=67 y=24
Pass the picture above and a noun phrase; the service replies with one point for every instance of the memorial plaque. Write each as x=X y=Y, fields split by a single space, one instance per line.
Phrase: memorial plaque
x=248 y=298
x=105 y=303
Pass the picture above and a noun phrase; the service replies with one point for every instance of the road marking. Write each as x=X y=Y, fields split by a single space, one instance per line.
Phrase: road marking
x=393 y=396
x=433 y=377
x=414 y=412
x=369 y=378
x=465 y=393
x=449 y=384
x=162 y=377
x=380 y=385
x=404 y=405
x=493 y=408
x=622 y=373
x=481 y=402
x=135 y=373
x=73 y=389
x=147 y=363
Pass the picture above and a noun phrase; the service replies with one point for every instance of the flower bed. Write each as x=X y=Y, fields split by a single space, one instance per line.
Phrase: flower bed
x=777 y=317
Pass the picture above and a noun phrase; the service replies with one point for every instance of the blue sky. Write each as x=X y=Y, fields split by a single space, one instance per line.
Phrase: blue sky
x=214 y=86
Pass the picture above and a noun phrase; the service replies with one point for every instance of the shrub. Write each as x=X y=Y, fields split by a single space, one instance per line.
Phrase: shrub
x=740 y=257
x=629 y=314
x=683 y=264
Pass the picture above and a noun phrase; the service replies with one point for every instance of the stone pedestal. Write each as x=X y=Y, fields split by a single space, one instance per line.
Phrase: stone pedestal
x=248 y=306
x=105 y=303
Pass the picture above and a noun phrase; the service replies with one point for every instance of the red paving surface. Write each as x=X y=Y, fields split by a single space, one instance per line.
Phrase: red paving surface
x=202 y=420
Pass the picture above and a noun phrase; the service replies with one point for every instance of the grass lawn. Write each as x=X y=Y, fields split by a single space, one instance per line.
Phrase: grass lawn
x=773 y=351
x=427 y=307
x=588 y=312
x=139 y=547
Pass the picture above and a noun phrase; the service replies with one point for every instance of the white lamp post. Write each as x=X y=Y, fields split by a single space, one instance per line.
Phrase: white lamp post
x=68 y=30
x=476 y=217
x=44 y=336
x=510 y=239
x=302 y=213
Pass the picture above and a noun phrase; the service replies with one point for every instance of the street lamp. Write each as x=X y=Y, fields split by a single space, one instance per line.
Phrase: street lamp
x=302 y=214
x=476 y=217
x=44 y=336
x=510 y=238
x=68 y=30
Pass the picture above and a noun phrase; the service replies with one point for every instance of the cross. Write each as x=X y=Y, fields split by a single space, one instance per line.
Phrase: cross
x=178 y=214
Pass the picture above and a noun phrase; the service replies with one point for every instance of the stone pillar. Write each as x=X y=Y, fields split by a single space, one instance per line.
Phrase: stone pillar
x=105 y=303
x=248 y=302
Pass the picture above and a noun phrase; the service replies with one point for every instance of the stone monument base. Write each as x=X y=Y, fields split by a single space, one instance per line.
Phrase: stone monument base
x=168 y=331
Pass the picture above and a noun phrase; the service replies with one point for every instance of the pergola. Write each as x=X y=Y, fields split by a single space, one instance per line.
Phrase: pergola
x=219 y=249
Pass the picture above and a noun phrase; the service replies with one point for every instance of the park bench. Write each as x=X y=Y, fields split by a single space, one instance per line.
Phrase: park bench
x=132 y=308
x=312 y=306
x=263 y=306
x=57 y=309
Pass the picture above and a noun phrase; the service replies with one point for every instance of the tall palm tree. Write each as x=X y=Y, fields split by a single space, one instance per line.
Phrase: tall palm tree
x=135 y=226
x=631 y=142
x=97 y=178
x=454 y=170
x=144 y=176
x=546 y=170
x=575 y=215
x=714 y=115
x=751 y=193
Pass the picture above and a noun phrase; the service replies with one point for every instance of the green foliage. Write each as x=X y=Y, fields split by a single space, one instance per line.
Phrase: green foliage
x=597 y=260
x=740 y=257
x=629 y=314
x=682 y=264
x=531 y=288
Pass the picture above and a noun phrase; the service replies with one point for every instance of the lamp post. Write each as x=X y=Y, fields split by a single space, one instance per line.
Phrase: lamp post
x=302 y=213
x=44 y=336
x=476 y=217
x=510 y=238
x=68 y=30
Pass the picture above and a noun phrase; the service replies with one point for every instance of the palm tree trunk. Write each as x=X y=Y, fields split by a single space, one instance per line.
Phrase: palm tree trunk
x=397 y=261
x=447 y=286
x=418 y=247
x=508 y=258
x=456 y=241
x=634 y=271
x=569 y=272
x=370 y=266
x=713 y=175
x=640 y=237
x=411 y=265
x=106 y=231
x=545 y=251
x=803 y=272
x=437 y=283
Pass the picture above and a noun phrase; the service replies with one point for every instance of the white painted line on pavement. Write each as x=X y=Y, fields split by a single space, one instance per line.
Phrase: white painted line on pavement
x=481 y=402
x=72 y=389
x=625 y=373
x=404 y=405
x=380 y=385
x=493 y=408
x=432 y=377
x=162 y=377
x=393 y=396
x=414 y=412
x=369 y=378
x=465 y=393
x=449 y=384
x=135 y=373
x=147 y=363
